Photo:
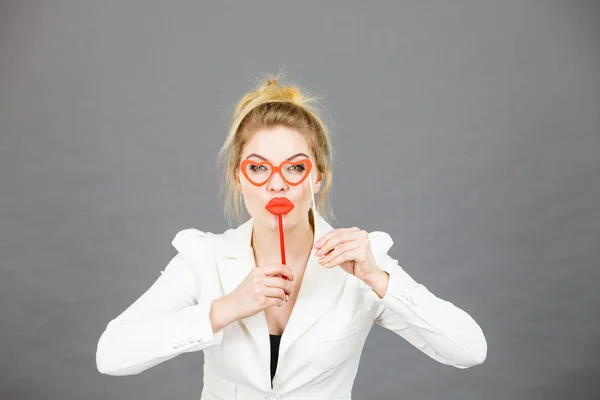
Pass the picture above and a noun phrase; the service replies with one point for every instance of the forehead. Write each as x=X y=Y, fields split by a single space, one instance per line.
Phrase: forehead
x=276 y=144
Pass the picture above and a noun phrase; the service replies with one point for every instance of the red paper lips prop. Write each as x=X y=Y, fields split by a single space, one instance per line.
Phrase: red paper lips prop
x=279 y=206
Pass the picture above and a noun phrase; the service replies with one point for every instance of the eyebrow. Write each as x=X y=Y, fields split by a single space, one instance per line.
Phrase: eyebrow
x=264 y=159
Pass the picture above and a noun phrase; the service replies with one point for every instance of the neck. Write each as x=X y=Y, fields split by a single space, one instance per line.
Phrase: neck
x=298 y=242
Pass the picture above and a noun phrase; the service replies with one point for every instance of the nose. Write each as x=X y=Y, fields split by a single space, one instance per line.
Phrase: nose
x=277 y=184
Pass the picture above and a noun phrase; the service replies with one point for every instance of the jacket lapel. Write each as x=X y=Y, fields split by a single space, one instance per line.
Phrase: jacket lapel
x=318 y=290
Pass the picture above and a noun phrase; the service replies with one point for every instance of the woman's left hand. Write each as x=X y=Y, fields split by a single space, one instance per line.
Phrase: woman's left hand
x=349 y=248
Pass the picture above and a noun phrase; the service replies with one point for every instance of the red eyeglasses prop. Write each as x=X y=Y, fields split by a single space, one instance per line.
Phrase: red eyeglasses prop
x=292 y=172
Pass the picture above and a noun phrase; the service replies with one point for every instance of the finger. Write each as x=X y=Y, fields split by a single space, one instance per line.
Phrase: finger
x=353 y=234
x=275 y=292
x=345 y=256
x=278 y=269
x=287 y=272
x=279 y=283
x=274 y=301
x=335 y=240
x=275 y=281
x=338 y=250
x=323 y=239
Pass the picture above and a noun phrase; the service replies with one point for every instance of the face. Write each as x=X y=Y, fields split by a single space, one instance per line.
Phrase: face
x=276 y=145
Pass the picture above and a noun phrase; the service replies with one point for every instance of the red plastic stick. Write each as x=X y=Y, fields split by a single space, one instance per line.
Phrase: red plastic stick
x=280 y=206
x=281 y=241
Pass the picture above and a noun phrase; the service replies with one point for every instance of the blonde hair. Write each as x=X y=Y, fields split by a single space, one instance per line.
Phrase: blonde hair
x=268 y=105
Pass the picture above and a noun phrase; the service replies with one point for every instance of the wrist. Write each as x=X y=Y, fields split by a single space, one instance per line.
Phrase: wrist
x=371 y=277
x=222 y=313
x=378 y=281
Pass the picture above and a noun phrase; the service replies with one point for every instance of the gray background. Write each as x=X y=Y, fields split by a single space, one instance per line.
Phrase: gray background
x=475 y=123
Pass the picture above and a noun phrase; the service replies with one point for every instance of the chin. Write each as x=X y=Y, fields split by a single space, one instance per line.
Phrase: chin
x=272 y=221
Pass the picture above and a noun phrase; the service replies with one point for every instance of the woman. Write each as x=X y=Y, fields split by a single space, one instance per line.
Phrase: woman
x=269 y=330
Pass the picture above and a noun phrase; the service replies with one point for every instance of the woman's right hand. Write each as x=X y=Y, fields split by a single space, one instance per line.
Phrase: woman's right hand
x=262 y=288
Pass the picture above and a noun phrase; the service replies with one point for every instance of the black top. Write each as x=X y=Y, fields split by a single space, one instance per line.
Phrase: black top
x=275 y=340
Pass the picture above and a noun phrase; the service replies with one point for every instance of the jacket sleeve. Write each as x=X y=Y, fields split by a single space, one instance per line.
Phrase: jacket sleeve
x=166 y=320
x=435 y=326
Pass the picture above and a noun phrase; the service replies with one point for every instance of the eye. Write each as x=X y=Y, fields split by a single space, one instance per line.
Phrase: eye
x=299 y=167
x=257 y=167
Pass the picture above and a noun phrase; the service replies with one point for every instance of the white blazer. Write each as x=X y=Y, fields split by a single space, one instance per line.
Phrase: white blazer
x=322 y=342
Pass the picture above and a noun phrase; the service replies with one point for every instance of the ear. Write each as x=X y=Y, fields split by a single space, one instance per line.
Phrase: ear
x=318 y=183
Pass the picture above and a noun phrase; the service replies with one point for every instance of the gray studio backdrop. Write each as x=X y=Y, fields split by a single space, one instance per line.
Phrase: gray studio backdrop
x=468 y=130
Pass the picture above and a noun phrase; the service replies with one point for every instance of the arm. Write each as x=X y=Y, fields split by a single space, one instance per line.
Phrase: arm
x=222 y=313
x=161 y=324
x=437 y=327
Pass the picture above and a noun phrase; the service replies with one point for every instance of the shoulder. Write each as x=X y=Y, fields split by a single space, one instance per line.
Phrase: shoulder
x=380 y=241
x=196 y=244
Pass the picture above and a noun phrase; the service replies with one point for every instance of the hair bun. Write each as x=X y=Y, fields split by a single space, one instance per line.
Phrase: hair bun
x=269 y=85
x=270 y=90
x=273 y=89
